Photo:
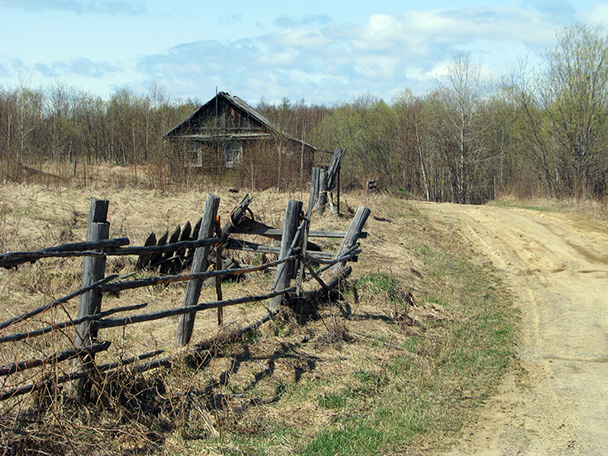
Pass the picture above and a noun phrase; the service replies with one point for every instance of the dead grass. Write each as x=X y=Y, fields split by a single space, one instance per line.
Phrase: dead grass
x=378 y=366
x=589 y=208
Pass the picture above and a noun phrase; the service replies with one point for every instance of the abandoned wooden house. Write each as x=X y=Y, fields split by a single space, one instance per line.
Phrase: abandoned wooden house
x=226 y=132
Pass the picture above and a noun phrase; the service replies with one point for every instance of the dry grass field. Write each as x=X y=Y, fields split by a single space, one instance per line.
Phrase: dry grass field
x=418 y=338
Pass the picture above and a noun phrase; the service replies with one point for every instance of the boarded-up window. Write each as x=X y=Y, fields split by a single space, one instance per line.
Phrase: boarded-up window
x=233 y=153
x=196 y=154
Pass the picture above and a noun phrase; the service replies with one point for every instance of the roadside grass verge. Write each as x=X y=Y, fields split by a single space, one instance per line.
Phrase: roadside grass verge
x=419 y=337
x=380 y=389
x=457 y=360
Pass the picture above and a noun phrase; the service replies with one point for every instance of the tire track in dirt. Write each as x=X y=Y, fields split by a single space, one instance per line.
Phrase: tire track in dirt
x=556 y=402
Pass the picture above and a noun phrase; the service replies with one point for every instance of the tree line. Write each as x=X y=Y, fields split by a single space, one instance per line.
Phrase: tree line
x=540 y=131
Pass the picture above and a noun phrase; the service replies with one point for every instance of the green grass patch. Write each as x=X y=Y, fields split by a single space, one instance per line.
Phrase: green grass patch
x=430 y=387
x=355 y=438
x=381 y=283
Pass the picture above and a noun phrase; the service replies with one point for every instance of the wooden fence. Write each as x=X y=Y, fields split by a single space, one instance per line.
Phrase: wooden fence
x=293 y=266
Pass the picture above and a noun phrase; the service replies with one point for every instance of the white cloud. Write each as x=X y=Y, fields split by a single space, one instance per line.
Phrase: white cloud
x=384 y=55
x=380 y=33
x=80 y=66
x=300 y=38
x=278 y=58
x=300 y=56
x=598 y=14
x=377 y=66
x=290 y=22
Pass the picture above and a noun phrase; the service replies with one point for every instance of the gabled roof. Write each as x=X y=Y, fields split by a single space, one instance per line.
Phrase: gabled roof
x=262 y=121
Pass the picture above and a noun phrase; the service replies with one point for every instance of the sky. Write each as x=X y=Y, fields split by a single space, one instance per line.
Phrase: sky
x=316 y=51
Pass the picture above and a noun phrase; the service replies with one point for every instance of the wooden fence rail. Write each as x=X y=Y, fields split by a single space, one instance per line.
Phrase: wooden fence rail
x=293 y=255
x=121 y=286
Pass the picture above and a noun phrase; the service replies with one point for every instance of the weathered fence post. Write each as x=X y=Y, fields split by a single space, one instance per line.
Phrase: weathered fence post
x=285 y=270
x=322 y=191
x=314 y=194
x=338 y=191
x=314 y=188
x=90 y=302
x=353 y=233
x=199 y=264
x=333 y=178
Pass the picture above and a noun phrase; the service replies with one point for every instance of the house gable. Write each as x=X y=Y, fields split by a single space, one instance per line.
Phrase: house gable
x=223 y=116
x=223 y=130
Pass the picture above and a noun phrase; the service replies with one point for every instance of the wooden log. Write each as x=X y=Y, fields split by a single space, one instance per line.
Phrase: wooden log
x=168 y=259
x=285 y=270
x=73 y=376
x=331 y=285
x=159 y=249
x=90 y=302
x=353 y=233
x=139 y=283
x=67 y=324
x=56 y=303
x=334 y=168
x=13 y=259
x=199 y=264
x=55 y=358
x=197 y=228
x=105 y=248
x=144 y=260
x=302 y=260
x=93 y=271
x=218 y=287
x=185 y=236
x=349 y=255
x=186 y=310
x=372 y=184
x=313 y=275
x=314 y=188
x=236 y=217
x=306 y=233
x=333 y=179
x=228 y=264
x=186 y=231
x=157 y=257
x=322 y=200
x=240 y=244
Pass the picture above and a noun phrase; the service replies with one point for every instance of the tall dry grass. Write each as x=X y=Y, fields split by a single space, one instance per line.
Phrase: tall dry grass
x=42 y=214
x=297 y=385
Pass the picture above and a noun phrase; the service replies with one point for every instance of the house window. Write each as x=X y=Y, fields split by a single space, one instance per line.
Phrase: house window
x=196 y=154
x=233 y=153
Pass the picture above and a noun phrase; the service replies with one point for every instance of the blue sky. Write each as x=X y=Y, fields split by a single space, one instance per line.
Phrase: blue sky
x=319 y=51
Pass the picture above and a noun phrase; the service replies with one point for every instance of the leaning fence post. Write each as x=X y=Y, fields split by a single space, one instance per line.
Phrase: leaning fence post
x=314 y=188
x=322 y=191
x=314 y=194
x=90 y=302
x=199 y=264
x=353 y=233
x=285 y=270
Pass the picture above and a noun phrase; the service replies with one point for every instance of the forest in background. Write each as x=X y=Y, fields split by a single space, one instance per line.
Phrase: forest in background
x=539 y=132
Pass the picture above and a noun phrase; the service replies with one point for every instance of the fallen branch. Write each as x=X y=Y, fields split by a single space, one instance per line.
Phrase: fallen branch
x=75 y=376
x=55 y=358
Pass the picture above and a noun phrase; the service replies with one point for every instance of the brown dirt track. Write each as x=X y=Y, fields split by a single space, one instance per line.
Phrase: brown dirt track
x=556 y=400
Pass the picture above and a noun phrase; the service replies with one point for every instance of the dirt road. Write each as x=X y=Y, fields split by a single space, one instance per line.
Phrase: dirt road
x=557 y=267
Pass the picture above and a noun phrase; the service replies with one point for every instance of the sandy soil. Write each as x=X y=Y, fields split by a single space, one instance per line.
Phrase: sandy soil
x=556 y=400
